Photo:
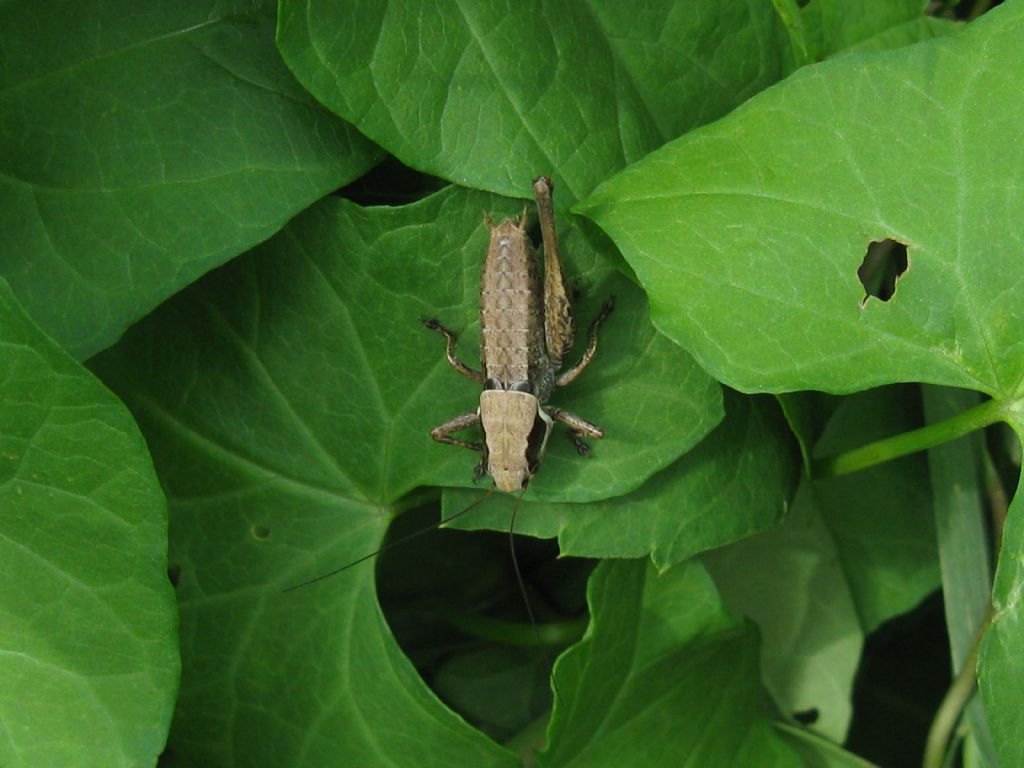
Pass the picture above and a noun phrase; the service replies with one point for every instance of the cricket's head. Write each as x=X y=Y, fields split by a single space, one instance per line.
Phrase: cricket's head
x=516 y=432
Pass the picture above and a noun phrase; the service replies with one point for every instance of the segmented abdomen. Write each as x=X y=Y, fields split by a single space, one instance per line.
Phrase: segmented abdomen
x=511 y=321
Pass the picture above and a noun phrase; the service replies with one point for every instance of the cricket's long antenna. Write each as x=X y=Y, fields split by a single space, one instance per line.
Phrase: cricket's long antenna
x=389 y=545
x=515 y=564
x=522 y=585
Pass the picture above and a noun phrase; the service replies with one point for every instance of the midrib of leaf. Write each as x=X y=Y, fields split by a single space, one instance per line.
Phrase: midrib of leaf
x=162 y=183
x=71 y=68
x=619 y=65
x=383 y=411
x=328 y=462
x=517 y=108
x=252 y=83
x=343 y=690
x=245 y=464
x=716 y=712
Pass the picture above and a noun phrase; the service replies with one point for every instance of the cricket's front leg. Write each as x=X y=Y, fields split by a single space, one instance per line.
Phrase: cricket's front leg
x=578 y=428
x=443 y=432
x=453 y=359
x=570 y=375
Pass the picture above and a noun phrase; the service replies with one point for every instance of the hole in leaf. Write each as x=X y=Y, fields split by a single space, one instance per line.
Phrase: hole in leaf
x=174 y=574
x=884 y=263
x=807 y=716
x=260 y=532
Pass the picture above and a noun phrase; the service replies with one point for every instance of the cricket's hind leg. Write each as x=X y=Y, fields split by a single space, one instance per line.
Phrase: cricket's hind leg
x=578 y=429
x=570 y=375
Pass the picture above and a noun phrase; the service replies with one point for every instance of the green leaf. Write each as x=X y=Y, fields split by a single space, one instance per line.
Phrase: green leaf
x=734 y=483
x=962 y=531
x=881 y=518
x=818 y=752
x=811 y=646
x=666 y=639
x=1001 y=660
x=807 y=413
x=865 y=541
x=489 y=94
x=748 y=234
x=289 y=398
x=88 y=648
x=142 y=144
x=835 y=27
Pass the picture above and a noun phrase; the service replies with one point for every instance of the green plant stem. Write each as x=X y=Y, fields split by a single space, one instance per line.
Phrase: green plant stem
x=953 y=703
x=999 y=504
x=559 y=633
x=906 y=443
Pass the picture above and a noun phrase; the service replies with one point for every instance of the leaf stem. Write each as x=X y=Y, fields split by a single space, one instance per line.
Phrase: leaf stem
x=953 y=703
x=906 y=443
x=557 y=634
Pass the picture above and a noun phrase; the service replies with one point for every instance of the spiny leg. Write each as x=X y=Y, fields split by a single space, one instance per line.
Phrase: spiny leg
x=453 y=359
x=578 y=429
x=570 y=375
x=442 y=433
x=558 y=321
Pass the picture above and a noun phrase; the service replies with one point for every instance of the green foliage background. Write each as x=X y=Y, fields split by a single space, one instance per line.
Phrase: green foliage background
x=211 y=367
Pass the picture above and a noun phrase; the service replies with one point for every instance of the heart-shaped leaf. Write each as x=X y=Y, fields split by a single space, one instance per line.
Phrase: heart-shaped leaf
x=289 y=398
x=88 y=642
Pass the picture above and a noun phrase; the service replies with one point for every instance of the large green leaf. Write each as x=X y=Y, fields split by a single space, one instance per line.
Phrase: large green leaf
x=811 y=646
x=88 y=647
x=289 y=397
x=142 y=144
x=881 y=518
x=490 y=93
x=736 y=482
x=867 y=541
x=666 y=639
x=748 y=234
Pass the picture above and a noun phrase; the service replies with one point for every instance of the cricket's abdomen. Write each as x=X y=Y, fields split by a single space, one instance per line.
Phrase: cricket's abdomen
x=512 y=347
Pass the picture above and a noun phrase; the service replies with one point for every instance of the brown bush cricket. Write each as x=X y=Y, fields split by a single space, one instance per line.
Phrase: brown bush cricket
x=525 y=334
x=523 y=343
